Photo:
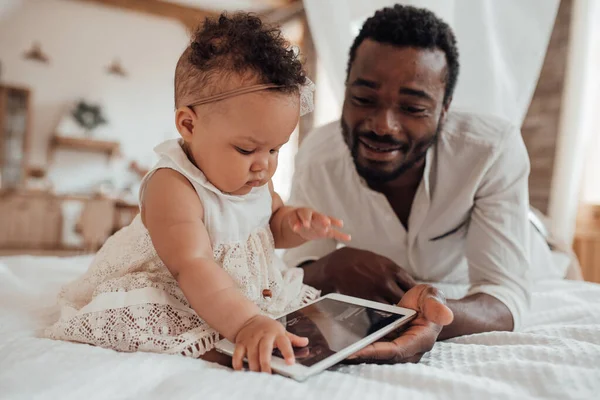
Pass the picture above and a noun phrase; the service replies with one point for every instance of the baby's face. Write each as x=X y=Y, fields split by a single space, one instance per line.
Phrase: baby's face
x=236 y=142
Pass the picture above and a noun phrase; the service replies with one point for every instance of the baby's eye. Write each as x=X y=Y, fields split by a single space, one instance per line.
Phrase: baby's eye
x=274 y=151
x=244 y=151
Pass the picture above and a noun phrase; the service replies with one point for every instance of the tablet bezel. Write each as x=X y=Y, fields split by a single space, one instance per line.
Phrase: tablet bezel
x=301 y=372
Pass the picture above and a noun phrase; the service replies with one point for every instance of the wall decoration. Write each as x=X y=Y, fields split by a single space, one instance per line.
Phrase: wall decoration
x=88 y=116
x=36 y=54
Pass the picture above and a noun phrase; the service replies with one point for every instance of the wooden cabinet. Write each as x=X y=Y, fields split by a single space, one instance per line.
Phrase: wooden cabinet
x=30 y=220
x=15 y=127
x=587 y=241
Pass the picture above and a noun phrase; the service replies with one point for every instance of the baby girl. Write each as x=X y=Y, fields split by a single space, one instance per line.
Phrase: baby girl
x=198 y=264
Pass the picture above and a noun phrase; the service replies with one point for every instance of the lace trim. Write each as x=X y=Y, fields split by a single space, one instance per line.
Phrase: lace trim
x=155 y=328
x=158 y=328
x=309 y=294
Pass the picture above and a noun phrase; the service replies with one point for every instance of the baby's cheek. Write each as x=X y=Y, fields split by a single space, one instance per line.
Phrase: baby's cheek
x=273 y=164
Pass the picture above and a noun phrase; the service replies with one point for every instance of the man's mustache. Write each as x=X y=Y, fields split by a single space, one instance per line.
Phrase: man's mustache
x=385 y=139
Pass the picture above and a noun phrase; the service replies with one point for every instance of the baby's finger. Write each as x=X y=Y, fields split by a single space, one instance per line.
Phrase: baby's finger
x=320 y=220
x=336 y=222
x=285 y=346
x=266 y=350
x=237 y=361
x=335 y=234
x=295 y=222
x=297 y=341
x=305 y=216
x=253 y=361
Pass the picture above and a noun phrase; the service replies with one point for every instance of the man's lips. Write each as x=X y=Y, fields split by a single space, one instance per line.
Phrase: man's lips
x=380 y=147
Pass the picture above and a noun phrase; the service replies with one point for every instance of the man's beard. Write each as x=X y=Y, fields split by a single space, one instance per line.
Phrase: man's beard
x=414 y=153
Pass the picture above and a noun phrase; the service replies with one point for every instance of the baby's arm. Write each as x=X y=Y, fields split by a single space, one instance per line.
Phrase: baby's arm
x=173 y=215
x=293 y=226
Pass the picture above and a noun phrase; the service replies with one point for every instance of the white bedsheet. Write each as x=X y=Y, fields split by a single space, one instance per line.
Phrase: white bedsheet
x=557 y=355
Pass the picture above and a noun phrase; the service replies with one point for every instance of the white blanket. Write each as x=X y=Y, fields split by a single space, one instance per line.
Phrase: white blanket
x=556 y=355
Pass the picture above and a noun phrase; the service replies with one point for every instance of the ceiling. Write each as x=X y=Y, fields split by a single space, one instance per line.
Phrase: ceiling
x=190 y=12
x=229 y=5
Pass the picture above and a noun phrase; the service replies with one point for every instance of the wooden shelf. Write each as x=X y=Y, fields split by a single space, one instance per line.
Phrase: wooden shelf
x=109 y=148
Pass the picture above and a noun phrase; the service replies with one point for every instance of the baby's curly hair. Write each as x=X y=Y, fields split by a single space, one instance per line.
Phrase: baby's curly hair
x=242 y=45
x=408 y=26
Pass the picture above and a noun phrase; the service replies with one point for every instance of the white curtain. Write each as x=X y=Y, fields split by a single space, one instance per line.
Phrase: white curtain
x=502 y=45
x=580 y=122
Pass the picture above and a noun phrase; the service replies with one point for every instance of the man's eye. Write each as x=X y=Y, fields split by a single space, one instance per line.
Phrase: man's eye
x=413 y=110
x=244 y=151
x=362 y=101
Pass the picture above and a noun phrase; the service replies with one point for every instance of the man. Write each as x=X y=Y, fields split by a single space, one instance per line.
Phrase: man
x=426 y=193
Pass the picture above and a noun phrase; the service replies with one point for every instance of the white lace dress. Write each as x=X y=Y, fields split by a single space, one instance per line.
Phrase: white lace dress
x=129 y=301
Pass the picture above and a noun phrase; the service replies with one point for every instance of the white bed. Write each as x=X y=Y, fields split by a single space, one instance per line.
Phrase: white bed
x=556 y=355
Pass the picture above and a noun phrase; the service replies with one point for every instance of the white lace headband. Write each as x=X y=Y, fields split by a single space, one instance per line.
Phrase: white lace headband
x=307 y=103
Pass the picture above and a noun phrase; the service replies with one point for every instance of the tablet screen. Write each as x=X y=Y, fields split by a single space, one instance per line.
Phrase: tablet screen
x=332 y=325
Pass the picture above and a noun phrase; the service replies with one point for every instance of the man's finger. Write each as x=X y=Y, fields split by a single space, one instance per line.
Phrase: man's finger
x=394 y=334
x=417 y=339
x=380 y=353
x=403 y=279
x=429 y=302
x=436 y=311
x=415 y=359
x=393 y=293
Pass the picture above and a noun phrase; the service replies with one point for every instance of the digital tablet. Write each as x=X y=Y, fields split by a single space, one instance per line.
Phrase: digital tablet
x=337 y=326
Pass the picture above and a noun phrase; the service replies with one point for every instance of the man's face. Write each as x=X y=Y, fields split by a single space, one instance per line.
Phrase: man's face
x=393 y=108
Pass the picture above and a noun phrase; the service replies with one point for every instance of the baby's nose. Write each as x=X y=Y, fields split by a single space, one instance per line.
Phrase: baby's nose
x=259 y=165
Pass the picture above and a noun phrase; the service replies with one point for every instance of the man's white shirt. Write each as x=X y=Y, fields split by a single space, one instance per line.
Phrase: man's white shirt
x=469 y=218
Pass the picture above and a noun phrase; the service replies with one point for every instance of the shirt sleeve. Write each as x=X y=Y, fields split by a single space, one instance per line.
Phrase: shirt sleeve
x=302 y=196
x=497 y=247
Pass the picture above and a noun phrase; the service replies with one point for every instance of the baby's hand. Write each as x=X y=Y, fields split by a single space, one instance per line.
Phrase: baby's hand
x=311 y=225
x=256 y=341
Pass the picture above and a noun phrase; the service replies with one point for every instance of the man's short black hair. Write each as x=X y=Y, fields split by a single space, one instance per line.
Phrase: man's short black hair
x=407 y=26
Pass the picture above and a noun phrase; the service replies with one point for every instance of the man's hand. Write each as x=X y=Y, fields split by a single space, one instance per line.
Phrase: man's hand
x=359 y=273
x=421 y=334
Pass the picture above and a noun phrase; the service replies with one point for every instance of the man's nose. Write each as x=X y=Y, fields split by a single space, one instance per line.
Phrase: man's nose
x=386 y=122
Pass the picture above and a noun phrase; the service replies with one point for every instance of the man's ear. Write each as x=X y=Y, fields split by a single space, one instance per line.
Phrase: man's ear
x=185 y=120
x=445 y=108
